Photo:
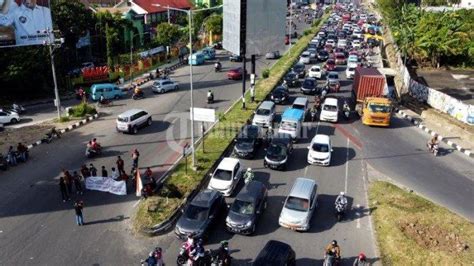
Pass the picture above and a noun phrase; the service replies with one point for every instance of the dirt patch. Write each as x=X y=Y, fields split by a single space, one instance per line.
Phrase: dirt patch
x=433 y=237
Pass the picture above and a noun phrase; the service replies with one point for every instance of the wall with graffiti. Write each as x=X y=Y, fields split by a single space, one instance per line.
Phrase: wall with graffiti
x=443 y=102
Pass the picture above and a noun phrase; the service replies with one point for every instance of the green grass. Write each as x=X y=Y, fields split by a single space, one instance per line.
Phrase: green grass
x=221 y=136
x=81 y=110
x=414 y=231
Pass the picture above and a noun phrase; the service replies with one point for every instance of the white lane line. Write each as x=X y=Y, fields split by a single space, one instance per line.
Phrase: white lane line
x=347 y=165
x=358 y=216
x=317 y=127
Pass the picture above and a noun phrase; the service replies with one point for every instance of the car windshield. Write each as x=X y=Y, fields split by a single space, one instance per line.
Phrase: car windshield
x=331 y=62
x=290 y=76
x=323 y=53
x=331 y=108
x=279 y=92
x=262 y=111
x=245 y=140
x=223 y=175
x=197 y=213
x=379 y=108
x=333 y=76
x=351 y=69
x=122 y=119
x=242 y=207
x=320 y=147
x=308 y=83
x=315 y=69
x=276 y=150
x=288 y=125
x=297 y=204
x=304 y=55
x=298 y=67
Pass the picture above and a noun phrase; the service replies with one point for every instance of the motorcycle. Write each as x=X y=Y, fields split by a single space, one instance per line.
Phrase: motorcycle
x=433 y=148
x=248 y=176
x=217 y=67
x=330 y=260
x=90 y=152
x=210 y=99
x=138 y=96
x=104 y=103
x=313 y=114
x=340 y=210
x=18 y=109
x=347 y=113
x=49 y=137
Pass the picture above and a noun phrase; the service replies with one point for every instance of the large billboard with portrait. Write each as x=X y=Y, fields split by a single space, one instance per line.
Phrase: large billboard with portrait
x=24 y=22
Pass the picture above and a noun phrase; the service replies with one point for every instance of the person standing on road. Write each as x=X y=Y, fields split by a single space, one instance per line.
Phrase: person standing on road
x=85 y=171
x=76 y=178
x=135 y=156
x=92 y=170
x=120 y=165
x=115 y=174
x=104 y=172
x=78 y=206
x=68 y=181
x=63 y=189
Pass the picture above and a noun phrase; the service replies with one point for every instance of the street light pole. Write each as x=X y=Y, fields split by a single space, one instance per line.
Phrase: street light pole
x=131 y=57
x=291 y=24
x=52 y=46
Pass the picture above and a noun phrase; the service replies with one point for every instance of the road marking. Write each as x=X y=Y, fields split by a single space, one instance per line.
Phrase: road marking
x=358 y=216
x=305 y=170
x=317 y=127
x=347 y=165
x=346 y=133
x=136 y=203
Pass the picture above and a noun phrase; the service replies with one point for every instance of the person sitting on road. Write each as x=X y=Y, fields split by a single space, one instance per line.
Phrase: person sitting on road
x=333 y=250
x=210 y=95
x=341 y=199
x=433 y=141
x=361 y=260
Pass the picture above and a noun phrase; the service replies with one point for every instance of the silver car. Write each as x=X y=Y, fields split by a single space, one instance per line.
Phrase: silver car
x=164 y=85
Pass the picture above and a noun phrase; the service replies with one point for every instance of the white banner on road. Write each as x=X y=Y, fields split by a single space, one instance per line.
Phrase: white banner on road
x=106 y=184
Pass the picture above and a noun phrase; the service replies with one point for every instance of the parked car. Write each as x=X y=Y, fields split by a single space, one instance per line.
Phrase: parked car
x=299 y=69
x=316 y=72
x=309 y=86
x=164 y=85
x=226 y=176
x=278 y=152
x=235 y=58
x=291 y=79
x=131 y=120
x=319 y=150
x=9 y=117
x=272 y=55
x=246 y=209
x=304 y=58
x=276 y=253
x=299 y=206
x=247 y=142
x=199 y=214
x=330 y=65
x=264 y=114
x=280 y=95
x=235 y=73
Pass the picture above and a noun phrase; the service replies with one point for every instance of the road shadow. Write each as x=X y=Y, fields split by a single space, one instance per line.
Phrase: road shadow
x=341 y=155
x=118 y=218
x=397 y=122
x=268 y=221
x=294 y=163
x=324 y=218
x=156 y=127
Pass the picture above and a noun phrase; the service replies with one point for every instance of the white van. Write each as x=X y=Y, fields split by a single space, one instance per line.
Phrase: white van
x=329 y=110
x=299 y=206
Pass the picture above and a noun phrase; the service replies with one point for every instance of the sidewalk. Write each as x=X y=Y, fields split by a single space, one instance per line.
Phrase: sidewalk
x=452 y=132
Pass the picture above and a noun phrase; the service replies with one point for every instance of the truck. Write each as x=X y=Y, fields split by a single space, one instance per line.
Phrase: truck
x=369 y=91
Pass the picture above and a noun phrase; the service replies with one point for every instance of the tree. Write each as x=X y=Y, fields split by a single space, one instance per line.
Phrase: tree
x=167 y=34
x=213 y=23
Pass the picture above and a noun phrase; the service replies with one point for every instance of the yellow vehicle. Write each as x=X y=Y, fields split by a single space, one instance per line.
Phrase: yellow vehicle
x=377 y=111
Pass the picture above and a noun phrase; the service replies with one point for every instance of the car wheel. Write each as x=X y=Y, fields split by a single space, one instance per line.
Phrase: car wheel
x=254 y=228
x=135 y=130
x=14 y=121
x=148 y=122
x=162 y=91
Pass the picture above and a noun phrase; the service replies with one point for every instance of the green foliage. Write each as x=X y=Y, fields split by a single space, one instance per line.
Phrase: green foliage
x=266 y=73
x=64 y=119
x=167 y=34
x=306 y=32
x=82 y=110
x=214 y=23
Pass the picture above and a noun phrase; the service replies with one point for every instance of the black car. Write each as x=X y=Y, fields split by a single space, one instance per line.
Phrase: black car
x=323 y=55
x=309 y=85
x=247 y=208
x=199 y=214
x=280 y=95
x=299 y=69
x=247 y=142
x=291 y=79
x=278 y=151
x=276 y=253
x=235 y=58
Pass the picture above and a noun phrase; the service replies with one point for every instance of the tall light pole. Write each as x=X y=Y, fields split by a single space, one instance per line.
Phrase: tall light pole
x=291 y=24
x=190 y=18
x=53 y=44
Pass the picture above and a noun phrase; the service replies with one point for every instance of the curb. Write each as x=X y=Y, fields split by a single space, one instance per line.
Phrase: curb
x=419 y=124
x=69 y=128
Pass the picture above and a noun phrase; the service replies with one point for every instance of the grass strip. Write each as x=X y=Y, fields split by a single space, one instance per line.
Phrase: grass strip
x=183 y=182
x=414 y=231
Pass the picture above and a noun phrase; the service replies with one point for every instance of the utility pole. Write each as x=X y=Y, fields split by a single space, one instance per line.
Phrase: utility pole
x=243 y=47
x=53 y=44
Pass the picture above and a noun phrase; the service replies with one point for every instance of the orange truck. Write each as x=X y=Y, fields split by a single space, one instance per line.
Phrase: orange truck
x=368 y=89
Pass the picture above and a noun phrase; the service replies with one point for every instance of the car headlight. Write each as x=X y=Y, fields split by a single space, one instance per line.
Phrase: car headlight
x=227 y=220
x=248 y=224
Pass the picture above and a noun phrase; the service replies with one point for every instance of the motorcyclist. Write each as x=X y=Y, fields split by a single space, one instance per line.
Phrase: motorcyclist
x=210 y=95
x=313 y=112
x=151 y=260
x=333 y=250
x=341 y=199
x=137 y=92
x=102 y=99
x=55 y=133
x=95 y=145
x=317 y=101
x=249 y=175
x=218 y=65
x=433 y=141
x=346 y=107
x=361 y=260
x=223 y=253
x=158 y=254
x=198 y=252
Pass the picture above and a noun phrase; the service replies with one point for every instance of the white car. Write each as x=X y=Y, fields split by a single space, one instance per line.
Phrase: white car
x=350 y=72
x=226 y=176
x=319 y=151
x=352 y=61
x=9 y=117
x=342 y=43
x=131 y=120
x=305 y=58
x=316 y=72
x=329 y=110
x=356 y=43
x=331 y=42
x=357 y=34
x=164 y=85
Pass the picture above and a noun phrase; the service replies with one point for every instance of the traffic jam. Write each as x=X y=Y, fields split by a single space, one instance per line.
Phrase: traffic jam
x=289 y=166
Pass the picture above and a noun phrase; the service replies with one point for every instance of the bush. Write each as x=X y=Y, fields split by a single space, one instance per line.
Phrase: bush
x=266 y=73
x=306 y=32
x=64 y=119
x=82 y=110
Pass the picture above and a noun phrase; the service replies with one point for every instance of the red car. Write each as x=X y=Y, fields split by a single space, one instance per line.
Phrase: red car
x=340 y=59
x=328 y=48
x=235 y=73
x=330 y=65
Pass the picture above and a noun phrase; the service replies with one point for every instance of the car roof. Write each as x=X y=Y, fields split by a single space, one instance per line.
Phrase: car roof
x=130 y=112
x=292 y=114
x=329 y=100
x=274 y=253
x=266 y=105
x=300 y=100
x=228 y=163
x=204 y=198
x=302 y=186
x=251 y=191
x=320 y=138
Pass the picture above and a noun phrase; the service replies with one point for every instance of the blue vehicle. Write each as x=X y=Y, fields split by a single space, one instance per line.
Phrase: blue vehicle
x=109 y=90
x=292 y=122
x=209 y=53
x=197 y=59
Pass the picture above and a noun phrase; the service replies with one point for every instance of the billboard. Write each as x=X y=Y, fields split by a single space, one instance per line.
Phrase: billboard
x=24 y=22
x=265 y=26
